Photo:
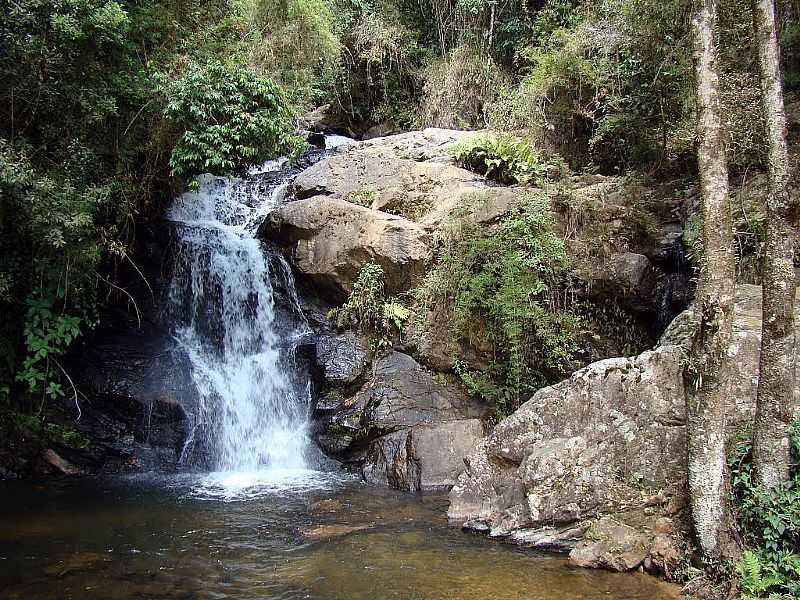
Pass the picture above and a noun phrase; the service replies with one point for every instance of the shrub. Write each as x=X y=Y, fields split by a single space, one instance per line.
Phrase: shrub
x=770 y=524
x=229 y=118
x=507 y=159
x=368 y=309
x=459 y=89
x=503 y=285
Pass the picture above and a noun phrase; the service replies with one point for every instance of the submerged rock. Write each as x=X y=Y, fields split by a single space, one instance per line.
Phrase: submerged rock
x=609 y=440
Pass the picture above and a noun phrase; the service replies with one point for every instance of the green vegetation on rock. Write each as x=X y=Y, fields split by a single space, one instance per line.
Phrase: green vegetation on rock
x=504 y=286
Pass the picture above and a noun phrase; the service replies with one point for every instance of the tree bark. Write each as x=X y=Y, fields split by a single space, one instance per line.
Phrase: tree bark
x=777 y=366
x=707 y=382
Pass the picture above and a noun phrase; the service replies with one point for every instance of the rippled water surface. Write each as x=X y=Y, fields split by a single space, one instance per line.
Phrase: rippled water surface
x=276 y=537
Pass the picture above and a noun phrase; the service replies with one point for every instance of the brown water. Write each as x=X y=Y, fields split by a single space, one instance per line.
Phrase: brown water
x=153 y=538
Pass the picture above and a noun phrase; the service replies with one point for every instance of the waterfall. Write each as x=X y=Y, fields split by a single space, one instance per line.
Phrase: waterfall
x=252 y=412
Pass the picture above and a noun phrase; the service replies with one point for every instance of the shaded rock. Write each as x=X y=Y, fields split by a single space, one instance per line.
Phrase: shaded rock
x=402 y=394
x=331 y=239
x=608 y=440
x=342 y=358
x=611 y=545
x=629 y=278
x=60 y=465
x=406 y=427
x=425 y=457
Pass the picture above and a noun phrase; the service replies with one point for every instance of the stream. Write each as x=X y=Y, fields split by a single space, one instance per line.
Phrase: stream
x=153 y=538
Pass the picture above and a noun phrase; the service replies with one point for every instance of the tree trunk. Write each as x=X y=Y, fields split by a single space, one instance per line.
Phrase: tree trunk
x=777 y=368
x=707 y=382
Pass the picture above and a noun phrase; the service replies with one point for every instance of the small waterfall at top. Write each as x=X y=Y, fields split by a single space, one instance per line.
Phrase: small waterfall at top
x=252 y=415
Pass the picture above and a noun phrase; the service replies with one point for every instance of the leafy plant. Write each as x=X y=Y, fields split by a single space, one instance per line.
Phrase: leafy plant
x=507 y=159
x=770 y=522
x=47 y=337
x=229 y=118
x=363 y=197
x=503 y=286
x=369 y=310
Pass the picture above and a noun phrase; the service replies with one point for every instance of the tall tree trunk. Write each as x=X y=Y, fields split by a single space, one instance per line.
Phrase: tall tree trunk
x=777 y=369
x=707 y=382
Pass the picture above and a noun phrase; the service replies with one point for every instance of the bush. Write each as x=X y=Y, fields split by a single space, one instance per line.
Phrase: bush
x=459 y=89
x=770 y=524
x=229 y=118
x=503 y=286
x=369 y=310
x=507 y=159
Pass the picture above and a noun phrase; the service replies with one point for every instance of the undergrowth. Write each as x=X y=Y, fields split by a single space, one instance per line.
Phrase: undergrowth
x=505 y=287
x=369 y=310
x=770 y=526
x=508 y=159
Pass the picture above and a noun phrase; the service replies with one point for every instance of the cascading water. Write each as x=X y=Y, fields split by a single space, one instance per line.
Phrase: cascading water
x=253 y=400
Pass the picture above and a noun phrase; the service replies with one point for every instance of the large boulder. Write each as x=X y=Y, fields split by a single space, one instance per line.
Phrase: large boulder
x=609 y=440
x=332 y=239
x=406 y=427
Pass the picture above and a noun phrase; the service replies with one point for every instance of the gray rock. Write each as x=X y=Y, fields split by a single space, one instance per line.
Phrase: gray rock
x=342 y=358
x=406 y=427
x=609 y=440
x=422 y=458
x=611 y=545
x=402 y=394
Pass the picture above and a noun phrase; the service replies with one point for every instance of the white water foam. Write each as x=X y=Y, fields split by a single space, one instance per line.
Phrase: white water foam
x=253 y=409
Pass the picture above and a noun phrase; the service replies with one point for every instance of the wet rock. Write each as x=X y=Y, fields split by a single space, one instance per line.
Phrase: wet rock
x=342 y=358
x=611 y=545
x=332 y=531
x=139 y=384
x=59 y=464
x=608 y=440
x=76 y=563
x=331 y=239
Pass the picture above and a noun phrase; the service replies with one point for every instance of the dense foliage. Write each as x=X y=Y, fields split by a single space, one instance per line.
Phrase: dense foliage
x=770 y=524
x=229 y=117
x=504 y=285
x=369 y=310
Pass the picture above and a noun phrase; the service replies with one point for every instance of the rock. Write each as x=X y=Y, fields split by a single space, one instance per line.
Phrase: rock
x=342 y=358
x=332 y=531
x=422 y=458
x=608 y=440
x=629 y=278
x=402 y=394
x=60 y=465
x=76 y=563
x=406 y=427
x=611 y=545
x=332 y=239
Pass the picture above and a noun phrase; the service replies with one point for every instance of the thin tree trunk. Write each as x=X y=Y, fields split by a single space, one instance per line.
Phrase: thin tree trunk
x=706 y=373
x=777 y=368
